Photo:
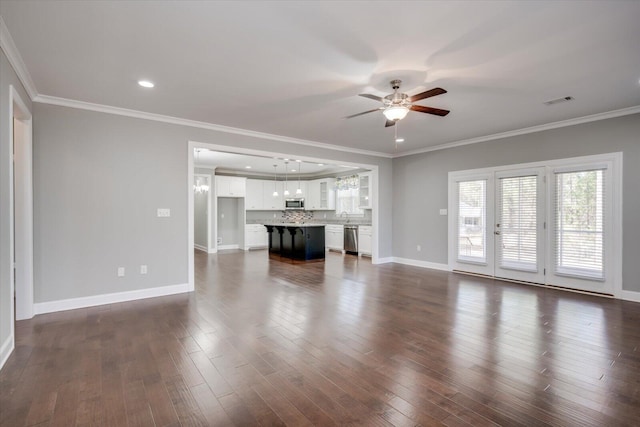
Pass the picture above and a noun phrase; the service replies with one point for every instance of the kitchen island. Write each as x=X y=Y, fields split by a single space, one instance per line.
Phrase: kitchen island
x=296 y=242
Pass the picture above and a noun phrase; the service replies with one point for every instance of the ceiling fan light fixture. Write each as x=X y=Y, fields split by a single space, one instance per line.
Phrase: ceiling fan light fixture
x=395 y=112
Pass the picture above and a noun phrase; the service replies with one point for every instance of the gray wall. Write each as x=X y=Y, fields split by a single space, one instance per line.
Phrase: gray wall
x=98 y=180
x=7 y=77
x=420 y=183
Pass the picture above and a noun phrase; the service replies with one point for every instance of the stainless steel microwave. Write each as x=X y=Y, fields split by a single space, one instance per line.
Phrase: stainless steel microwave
x=294 y=204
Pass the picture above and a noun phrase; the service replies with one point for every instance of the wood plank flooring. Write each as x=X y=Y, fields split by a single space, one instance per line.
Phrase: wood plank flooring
x=342 y=342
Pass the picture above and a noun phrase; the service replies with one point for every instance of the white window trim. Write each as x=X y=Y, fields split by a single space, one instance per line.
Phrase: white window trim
x=612 y=160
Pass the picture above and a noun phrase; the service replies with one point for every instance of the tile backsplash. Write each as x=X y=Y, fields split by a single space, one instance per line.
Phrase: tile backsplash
x=321 y=217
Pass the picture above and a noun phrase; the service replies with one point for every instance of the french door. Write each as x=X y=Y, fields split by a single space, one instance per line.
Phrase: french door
x=500 y=224
x=549 y=225
x=519 y=225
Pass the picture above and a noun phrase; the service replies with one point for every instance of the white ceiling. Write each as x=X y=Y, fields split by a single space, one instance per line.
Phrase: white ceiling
x=295 y=68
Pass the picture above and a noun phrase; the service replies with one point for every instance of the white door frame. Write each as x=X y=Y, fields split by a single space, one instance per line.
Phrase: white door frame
x=21 y=208
x=230 y=149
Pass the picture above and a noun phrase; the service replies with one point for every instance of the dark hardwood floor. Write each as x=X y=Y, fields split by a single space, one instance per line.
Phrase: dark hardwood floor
x=337 y=343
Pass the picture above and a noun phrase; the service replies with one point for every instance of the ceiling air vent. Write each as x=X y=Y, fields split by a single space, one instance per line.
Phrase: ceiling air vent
x=559 y=100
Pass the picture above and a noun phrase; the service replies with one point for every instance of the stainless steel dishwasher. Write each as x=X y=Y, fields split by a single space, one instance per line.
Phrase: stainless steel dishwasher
x=351 y=239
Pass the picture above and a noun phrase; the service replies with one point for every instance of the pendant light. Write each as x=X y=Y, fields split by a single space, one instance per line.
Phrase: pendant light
x=299 y=189
x=275 y=177
x=286 y=178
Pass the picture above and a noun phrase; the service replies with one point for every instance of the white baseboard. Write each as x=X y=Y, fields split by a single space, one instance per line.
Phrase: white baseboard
x=6 y=350
x=83 y=302
x=423 y=264
x=213 y=250
x=630 y=296
x=200 y=247
x=385 y=260
x=224 y=247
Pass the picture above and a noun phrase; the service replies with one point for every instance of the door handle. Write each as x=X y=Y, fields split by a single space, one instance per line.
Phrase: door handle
x=497 y=233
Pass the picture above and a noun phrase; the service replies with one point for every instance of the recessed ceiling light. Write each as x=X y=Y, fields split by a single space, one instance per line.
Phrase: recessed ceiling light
x=146 y=83
x=399 y=139
x=299 y=161
x=320 y=164
x=293 y=170
x=286 y=160
x=247 y=167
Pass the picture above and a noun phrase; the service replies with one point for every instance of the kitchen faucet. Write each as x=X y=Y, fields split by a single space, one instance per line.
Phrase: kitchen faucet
x=345 y=213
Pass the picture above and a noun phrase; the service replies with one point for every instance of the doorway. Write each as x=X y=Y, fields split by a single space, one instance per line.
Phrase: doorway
x=552 y=224
x=22 y=208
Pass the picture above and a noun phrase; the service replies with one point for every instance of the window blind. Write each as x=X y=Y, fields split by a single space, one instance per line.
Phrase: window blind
x=579 y=223
x=472 y=199
x=517 y=218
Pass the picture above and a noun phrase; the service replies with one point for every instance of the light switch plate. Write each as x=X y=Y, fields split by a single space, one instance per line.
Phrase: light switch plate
x=443 y=211
x=143 y=269
x=120 y=271
x=164 y=213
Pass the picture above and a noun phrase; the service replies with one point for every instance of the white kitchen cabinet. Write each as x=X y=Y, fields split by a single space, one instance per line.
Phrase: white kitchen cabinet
x=327 y=194
x=312 y=198
x=365 y=243
x=255 y=236
x=254 y=200
x=230 y=186
x=365 y=191
x=334 y=237
x=321 y=194
x=272 y=203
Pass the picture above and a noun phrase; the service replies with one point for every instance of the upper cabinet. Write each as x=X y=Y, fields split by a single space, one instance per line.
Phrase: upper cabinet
x=271 y=202
x=321 y=195
x=260 y=195
x=366 y=199
x=327 y=194
x=254 y=200
x=230 y=186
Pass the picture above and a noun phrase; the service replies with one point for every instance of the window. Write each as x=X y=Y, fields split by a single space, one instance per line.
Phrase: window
x=471 y=219
x=348 y=195
x=579 y=223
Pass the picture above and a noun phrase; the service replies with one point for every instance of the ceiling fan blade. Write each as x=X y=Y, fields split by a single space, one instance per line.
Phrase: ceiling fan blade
x=390 y=123
x=427 y=94
x=366 y=112
x=429 y=110
x=374 y=97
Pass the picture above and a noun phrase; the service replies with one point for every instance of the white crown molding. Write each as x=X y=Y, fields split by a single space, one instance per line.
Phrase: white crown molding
x=524 y=131
x=52 y=100
x=15 y=59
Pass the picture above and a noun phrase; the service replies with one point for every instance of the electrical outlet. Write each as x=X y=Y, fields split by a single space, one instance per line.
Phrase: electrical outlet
x=164 y=213
x=443 y=211
x=221 y=215
x=418 y=248
x=219 y=240
x=325 y=216
x=274 y=215
x=143 y=269
x=120 y=271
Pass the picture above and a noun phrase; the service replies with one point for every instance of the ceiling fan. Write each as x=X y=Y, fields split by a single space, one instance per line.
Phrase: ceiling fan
x=397 y=105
